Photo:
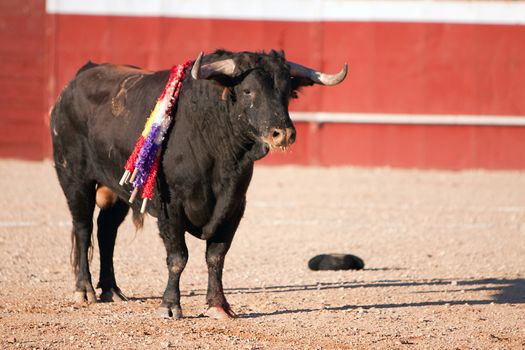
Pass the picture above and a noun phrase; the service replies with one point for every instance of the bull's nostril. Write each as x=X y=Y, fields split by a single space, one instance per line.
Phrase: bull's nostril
x=292 y=136
x=278 y=137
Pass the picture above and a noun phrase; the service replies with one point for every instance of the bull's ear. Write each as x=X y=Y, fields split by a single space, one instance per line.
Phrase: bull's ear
x=228 y=94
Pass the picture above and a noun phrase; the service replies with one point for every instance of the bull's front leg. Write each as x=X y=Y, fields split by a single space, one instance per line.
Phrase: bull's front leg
x=172 y=234
x=216 y=249
x=223 y=206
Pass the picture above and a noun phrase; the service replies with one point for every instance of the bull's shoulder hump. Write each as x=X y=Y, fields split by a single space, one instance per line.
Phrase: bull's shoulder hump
x=110 y=69
x=123 y=68
x=88 y=65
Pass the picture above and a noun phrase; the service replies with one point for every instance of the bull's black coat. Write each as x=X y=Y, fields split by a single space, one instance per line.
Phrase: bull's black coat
x=221 y=126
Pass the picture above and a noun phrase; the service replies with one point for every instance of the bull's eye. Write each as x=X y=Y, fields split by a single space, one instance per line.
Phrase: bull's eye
x=247 y=92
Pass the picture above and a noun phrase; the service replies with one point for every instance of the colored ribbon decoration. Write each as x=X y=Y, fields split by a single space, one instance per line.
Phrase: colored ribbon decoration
x=141 y=167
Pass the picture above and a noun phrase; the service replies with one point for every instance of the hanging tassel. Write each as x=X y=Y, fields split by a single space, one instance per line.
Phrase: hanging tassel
x=142 y=165
x=147 y=190
x=130 y=164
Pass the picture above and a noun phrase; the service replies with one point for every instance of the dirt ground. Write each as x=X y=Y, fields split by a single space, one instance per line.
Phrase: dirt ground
x=444 y=255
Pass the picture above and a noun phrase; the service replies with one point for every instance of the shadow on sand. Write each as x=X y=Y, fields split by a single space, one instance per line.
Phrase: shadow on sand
x=506 y=291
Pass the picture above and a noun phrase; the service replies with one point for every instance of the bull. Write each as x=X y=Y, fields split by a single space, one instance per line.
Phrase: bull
x=232 y=110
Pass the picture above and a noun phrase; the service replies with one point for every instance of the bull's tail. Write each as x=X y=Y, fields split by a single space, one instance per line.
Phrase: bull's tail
x=138 y=220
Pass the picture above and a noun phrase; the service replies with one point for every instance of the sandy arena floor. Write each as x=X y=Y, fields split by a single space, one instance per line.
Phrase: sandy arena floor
x=444 y=254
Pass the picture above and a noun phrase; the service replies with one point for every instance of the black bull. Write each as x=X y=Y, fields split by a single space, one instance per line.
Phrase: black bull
x=232 y=109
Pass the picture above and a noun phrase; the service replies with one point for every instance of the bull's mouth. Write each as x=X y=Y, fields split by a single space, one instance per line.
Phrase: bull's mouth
x=278 y=140
x=272 y=146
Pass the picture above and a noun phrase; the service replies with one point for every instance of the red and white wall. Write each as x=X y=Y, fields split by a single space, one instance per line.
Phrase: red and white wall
x=431 y=84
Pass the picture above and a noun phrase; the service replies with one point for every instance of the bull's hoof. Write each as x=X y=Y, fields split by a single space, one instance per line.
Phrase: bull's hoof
x=166 y=312
x=80 y=297
x=220 y=313
x=336 y=262
x=112 y=295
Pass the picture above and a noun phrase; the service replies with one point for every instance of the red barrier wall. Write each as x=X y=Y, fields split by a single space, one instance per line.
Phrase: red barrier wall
x=406 y=146
x=23 y=79
x=395 y=68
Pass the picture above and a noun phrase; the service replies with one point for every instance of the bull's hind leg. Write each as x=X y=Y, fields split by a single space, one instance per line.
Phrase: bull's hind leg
x=81 y=201
x=108 y=221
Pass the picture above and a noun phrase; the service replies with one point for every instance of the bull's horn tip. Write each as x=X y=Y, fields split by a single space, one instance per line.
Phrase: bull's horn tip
x=195 y=70
x=345 y=68
x=342 y=74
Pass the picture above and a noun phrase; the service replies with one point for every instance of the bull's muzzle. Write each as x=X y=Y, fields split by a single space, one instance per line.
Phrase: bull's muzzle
x=280 y=138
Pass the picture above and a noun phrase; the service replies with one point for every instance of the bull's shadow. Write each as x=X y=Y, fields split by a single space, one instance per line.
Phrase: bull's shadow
x=508 y=291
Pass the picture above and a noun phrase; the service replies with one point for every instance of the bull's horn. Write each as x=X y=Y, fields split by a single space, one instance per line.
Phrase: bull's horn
x=197 y=66
x=199 y=71
x=296 y=70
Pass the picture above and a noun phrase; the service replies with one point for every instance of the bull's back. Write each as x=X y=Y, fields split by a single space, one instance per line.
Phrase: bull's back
x=97 y=118
x=108 y=94
x=84 y=96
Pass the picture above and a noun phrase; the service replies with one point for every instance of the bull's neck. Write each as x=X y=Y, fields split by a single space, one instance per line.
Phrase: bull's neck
x=226 y=141
x=205 y=120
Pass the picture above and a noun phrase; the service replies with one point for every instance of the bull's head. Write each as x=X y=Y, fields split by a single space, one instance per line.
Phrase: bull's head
x=260 y=86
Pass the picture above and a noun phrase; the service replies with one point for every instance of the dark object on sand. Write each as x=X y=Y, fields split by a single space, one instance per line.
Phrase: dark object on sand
x=336 y=262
